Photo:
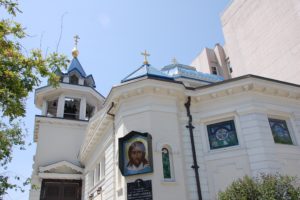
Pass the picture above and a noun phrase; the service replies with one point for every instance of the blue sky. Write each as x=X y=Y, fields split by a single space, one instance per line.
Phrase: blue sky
x=112 y=36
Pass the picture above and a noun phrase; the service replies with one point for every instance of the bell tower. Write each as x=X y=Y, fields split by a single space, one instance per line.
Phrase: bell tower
x=59 y=131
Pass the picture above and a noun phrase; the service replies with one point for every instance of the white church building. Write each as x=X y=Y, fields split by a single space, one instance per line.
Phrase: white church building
x=198 y=133
x=176 y=132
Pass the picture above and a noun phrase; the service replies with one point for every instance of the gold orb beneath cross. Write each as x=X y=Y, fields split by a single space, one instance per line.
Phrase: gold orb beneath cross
x=75 y=52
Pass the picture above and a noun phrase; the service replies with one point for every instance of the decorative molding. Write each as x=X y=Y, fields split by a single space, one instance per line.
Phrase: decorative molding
x=173 y=148
x=248 y=85
x=55 y=120
x=60 y=176
x=61 y=164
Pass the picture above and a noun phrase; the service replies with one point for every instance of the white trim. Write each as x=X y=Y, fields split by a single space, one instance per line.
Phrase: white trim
x=60 y=176
x=162 y=144
x=61 y=164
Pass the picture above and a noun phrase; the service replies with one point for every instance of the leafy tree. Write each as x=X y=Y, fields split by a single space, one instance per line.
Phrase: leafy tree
x=263 y=187
x=20 y=73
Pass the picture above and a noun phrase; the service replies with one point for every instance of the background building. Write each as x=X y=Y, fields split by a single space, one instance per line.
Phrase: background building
x=214 y=61
x=261 y=38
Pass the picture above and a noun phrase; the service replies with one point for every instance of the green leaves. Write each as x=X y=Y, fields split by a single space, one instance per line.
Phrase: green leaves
x=19 y=75
x=10 y=6
x=264 y=187
x=10 y=135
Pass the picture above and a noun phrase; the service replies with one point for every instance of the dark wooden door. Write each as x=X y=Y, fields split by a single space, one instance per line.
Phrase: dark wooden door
x=61 y=190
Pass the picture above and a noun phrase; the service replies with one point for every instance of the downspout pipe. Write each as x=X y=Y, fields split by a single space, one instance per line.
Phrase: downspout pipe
x=108 y=112
x=114 y=141
x=195 y=164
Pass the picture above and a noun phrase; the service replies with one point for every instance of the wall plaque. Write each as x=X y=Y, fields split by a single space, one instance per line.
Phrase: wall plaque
x=139 y=190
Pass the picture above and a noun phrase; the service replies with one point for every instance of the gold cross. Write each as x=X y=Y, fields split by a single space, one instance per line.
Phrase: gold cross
x=145 y=54
x=76 y=38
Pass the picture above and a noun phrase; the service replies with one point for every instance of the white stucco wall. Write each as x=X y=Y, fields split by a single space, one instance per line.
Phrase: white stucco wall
x=159 y=110
x=156 y=115
x=60 y=142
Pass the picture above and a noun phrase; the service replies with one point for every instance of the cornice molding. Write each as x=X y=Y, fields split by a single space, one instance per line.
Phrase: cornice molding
x=60 y=176
x=60 y=164
x=55 y=120
x=251 y=84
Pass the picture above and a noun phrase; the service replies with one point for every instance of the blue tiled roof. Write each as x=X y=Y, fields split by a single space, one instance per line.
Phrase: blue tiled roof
x=75 y=65
x=146 y=70
x=185 y=71
x=173 y=71
x=168 y=67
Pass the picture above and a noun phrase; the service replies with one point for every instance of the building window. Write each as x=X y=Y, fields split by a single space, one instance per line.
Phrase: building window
x=60 y=189
x=222 y=135
x=214 y=70
x=71 y=110
x=74 y=80
x=96 y=174
x=91 y=181
x=280 y=131
x=102 y=169
x=89 y=111
x=52 y=108
x=228 y=65
x=166 y=163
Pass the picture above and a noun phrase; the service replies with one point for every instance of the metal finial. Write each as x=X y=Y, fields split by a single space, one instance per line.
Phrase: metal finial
x=76 y=38
x=174 y=61
x=75 y=51
x=145 y=54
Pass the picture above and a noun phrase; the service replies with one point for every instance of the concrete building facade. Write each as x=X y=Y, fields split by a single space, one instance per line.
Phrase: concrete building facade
x=261 y=38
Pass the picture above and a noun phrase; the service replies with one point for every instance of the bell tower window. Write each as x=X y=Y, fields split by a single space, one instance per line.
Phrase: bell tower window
x=72 y=107
x=52 y=108
x=89 y=111
x=74 y=80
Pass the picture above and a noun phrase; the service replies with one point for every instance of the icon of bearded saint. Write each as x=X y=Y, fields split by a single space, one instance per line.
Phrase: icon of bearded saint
x=137 y=158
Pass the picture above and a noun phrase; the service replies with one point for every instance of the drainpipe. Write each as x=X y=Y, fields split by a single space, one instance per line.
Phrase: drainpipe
x=114 y=144
x=195 y=164
x=108 y=112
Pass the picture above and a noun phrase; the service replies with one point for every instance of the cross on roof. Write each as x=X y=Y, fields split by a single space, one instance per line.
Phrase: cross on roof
x=145 y=54
x=76 y=38
x=174 y=61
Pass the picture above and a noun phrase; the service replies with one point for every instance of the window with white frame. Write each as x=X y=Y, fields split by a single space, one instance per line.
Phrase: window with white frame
x=280 y=131
x=74 y=79
x=96 y=173
x=72 y=108
x=222 y=134
x=167 y=163
x=102 y=168
x=91 y=178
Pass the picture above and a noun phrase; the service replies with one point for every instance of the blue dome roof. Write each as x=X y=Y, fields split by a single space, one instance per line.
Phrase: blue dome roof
x=173 y=72
x=185 y=71
x=75 y=65
x=145 y=70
